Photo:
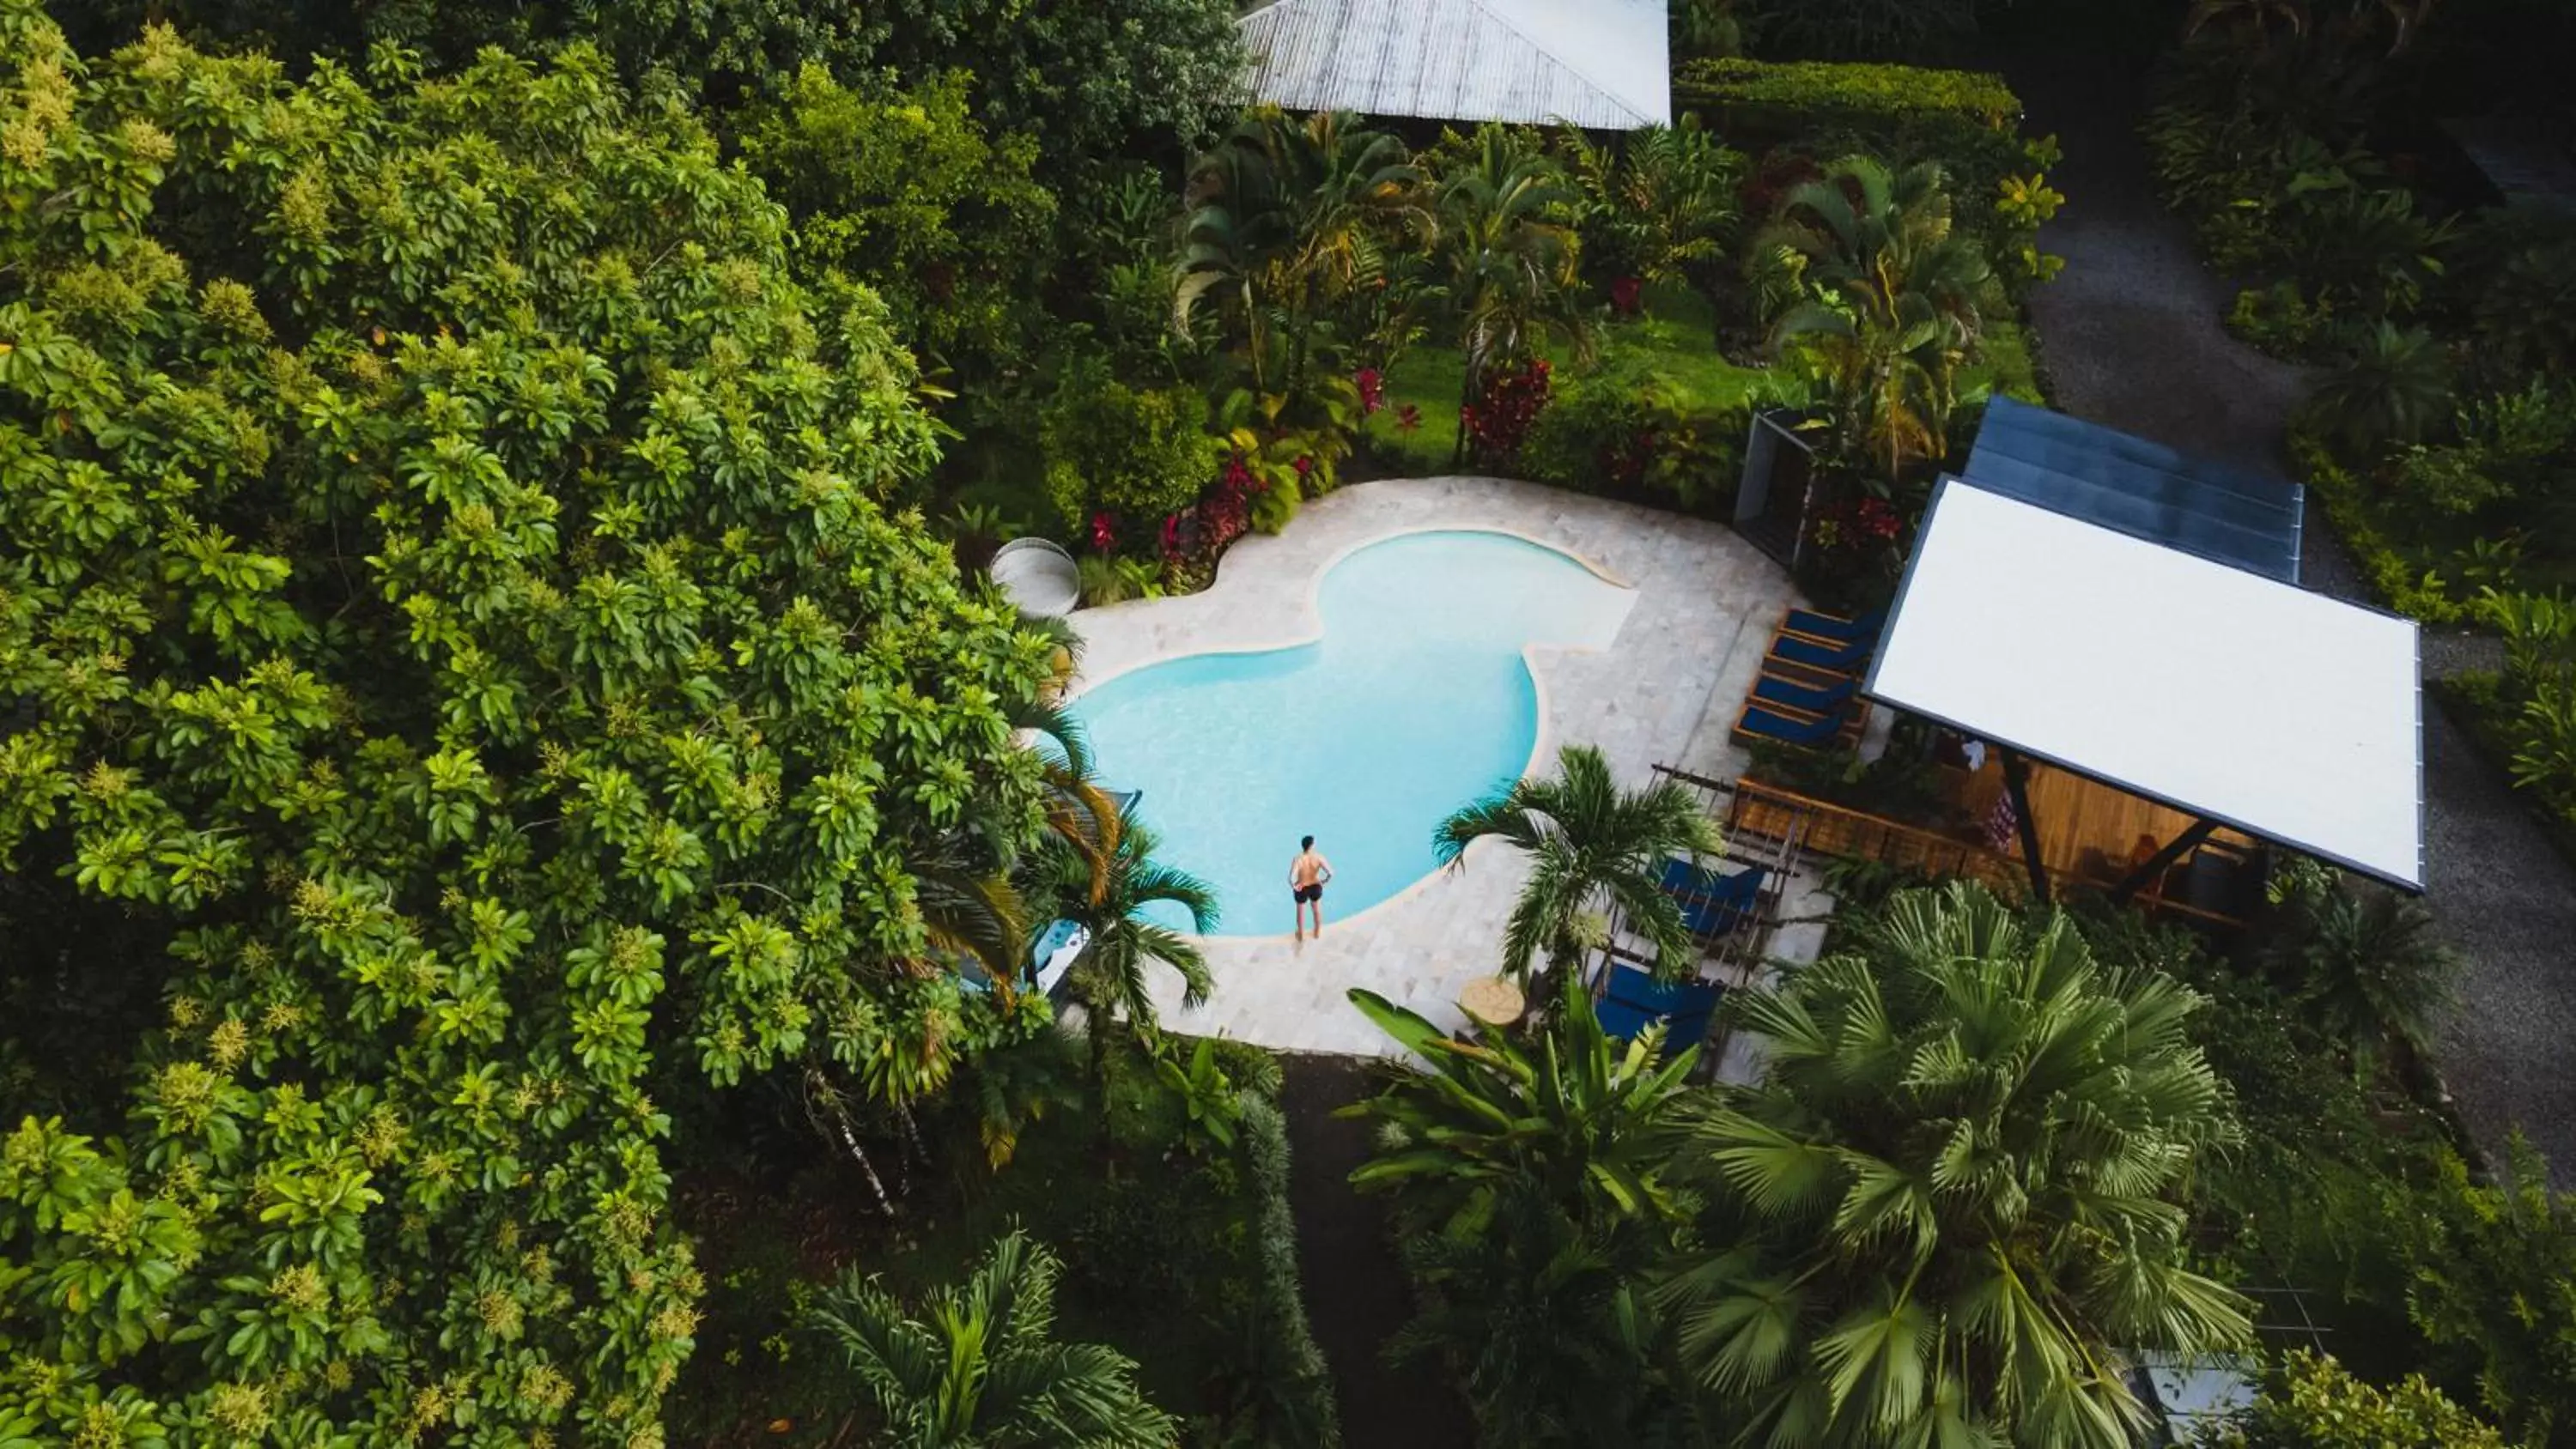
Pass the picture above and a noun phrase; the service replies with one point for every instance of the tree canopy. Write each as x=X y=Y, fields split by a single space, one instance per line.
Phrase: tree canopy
x=450 y=629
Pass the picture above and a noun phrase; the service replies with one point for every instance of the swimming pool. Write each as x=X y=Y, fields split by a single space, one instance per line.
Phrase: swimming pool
x=1415 y=701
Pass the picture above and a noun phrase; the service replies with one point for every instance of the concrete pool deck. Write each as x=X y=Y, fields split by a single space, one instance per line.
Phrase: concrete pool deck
x=1666 y=691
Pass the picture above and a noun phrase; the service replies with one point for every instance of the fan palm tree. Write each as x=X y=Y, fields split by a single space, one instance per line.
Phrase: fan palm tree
x=1891 y=307
x=2370 y=971
x=1957 y=1185
x=1572 y=1118
x=1110 y=979
x=1588 y=841
x=1291 y=216
x=1511 y=256
x=977 y=1367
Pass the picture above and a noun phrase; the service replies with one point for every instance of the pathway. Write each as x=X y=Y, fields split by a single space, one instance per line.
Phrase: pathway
x=2131 y=335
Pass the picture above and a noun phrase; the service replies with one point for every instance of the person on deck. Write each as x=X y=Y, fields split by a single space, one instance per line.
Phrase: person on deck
x=1306 y=877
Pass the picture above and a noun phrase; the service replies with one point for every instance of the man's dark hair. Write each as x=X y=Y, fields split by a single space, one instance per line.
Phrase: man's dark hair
x=1306 y=844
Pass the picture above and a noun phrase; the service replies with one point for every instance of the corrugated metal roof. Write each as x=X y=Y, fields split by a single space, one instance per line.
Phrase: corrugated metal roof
x=1601 y=64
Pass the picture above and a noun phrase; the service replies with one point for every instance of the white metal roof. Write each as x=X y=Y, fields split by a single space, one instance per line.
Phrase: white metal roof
x=1601 y=64
x=2284 y=713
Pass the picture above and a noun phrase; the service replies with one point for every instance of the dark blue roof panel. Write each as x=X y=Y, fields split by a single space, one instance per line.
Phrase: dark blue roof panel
x=2142 y=489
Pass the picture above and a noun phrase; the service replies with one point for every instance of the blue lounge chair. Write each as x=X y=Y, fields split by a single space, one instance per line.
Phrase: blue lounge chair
x=1660 y=998
x=1833 y=629
x=1712 y=904
x=1634 y=1001
x=1813 y=699
x=1840 y=658
x=1786 y=729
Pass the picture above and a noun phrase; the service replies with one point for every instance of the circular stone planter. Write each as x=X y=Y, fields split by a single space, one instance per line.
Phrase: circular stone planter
x=1039 y=576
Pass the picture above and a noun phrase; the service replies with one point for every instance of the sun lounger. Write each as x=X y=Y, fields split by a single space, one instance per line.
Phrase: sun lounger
x=1632 y=1001
x=1805 y=698
x=1712 y=904
x=1790 y=729
x=1840 y=658
x=1832 y=628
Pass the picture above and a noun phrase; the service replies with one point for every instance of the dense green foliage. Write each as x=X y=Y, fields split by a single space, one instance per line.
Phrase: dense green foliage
x=1087 y=80
x=1959 y=1184
x=1770 y=95
x=1530 y=1185
x=2313 y=1403
x=1960 y=1180
x=906 y=191
x=463 y=693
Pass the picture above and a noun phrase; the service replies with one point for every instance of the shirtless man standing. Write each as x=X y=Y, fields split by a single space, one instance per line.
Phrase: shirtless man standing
x=1306 y=877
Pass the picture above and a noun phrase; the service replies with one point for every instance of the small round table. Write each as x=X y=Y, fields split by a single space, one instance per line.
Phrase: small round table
x=1492 y=1001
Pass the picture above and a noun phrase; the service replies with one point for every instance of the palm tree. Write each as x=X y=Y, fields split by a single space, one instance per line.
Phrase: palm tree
x=1957 y=1186
x=1290 y=217
x=1573 y=1120
x=1511 y=257
x=1110 y=979
x=1531 y=1179
x=1661 y=203
x=1587 y=841
x=977 y=1367
x=2369 y=969
x=1891 y=311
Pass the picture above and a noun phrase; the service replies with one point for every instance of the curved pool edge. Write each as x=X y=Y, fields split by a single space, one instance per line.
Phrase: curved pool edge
x=1310 y=608
x=1543 y=740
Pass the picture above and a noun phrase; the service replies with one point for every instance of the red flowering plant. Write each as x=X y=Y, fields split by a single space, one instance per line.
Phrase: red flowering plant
x=1408 y=418
x=1104 y=533
x=1491 y=429
x=1372 y=386
x=1626 y=293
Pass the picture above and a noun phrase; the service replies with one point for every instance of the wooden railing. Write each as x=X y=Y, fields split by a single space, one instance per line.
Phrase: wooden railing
x=1825 y=828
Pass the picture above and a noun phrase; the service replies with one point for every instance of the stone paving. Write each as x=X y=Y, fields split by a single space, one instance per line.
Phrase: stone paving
x=1665 y=691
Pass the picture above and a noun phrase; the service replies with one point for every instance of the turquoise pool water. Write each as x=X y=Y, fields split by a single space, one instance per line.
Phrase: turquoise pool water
x=1415 y=701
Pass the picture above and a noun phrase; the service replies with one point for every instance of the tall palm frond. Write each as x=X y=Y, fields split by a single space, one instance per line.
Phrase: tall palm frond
x=977 y=1365
x=1958 y=1184
x=1588 y=843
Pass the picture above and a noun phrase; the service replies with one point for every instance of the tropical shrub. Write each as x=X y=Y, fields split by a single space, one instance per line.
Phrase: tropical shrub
x=1134 y=457
x=1957 y=1186
x=1290 y=1384
x=1658 y=207
x=1492 y=428
x=2391 y=389
x=1511 y=263
x=1620 y=430
x=1529 y=1181
x=2311 y=1402
x=977 y=1363
x=461 y=685
x=2365 y=968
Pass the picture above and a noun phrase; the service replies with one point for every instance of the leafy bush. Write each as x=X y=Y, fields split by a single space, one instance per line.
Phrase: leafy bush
x=1136 y=456
x=905 y=191
x=2393 y=575
x=2311 y=1402
x=2391 y=389
x=1620 y=430
x=452 y=645
x=1775 y=98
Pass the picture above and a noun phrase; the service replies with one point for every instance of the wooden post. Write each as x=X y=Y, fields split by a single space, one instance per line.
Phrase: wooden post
x=2017 y=789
